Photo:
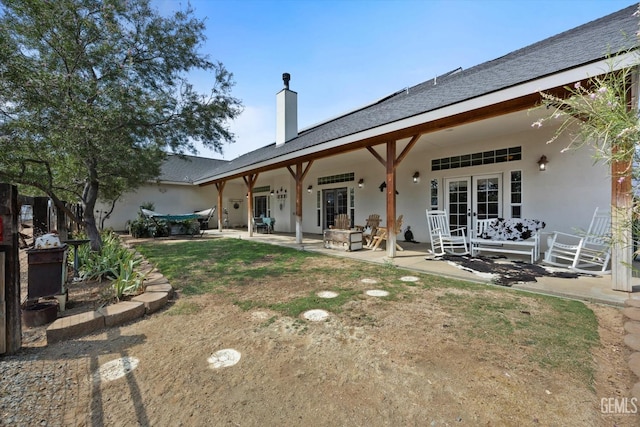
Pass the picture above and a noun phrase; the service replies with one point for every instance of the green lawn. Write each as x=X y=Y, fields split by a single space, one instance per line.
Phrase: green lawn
x=551 y=332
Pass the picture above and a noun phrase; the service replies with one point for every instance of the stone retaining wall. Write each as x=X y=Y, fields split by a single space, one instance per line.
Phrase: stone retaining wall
x=157 y=292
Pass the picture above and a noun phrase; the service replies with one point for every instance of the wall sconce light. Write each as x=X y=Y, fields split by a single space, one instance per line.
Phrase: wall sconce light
x=271 y=193
x=542 y=163
x=309 y=188
x=416 y=177
x=383 y=186
x=247 y=196
x=361 y=183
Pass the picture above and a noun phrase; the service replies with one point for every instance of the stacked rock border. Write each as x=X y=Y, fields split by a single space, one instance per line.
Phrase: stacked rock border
x=157 y=292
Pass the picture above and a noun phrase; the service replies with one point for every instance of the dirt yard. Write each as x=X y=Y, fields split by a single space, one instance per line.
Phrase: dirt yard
x=376 y=363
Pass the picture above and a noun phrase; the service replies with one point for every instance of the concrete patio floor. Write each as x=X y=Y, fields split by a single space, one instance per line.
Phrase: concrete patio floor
x=585 y=288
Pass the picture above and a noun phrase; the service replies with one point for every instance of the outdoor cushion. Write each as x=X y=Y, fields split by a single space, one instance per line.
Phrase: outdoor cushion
x=514 y=229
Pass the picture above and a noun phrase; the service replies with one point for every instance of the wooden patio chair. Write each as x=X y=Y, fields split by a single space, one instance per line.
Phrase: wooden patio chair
x=370 y=229
x=443 y=238
x=382 y=235
x=588 y=252
x=342 y=222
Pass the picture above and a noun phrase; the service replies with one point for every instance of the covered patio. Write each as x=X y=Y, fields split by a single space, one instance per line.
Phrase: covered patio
x=596 y=289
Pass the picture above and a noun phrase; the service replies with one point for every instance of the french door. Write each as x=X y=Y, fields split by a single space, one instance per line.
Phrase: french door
x=261 y=206
x=473 y=197
x=334 y=202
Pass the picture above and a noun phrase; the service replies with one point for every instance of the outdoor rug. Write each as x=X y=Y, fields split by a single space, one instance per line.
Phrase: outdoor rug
x=505 y=272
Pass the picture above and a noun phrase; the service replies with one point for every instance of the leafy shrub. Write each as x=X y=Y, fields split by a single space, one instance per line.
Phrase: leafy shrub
x=114 y=262
x=187 y=226
x=145 y=227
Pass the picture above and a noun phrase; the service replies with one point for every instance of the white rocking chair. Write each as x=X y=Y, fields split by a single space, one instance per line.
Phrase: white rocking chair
x=443 y=238
x=582 y=252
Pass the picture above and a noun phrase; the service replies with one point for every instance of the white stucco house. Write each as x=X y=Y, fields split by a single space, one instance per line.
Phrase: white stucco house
x=463 y=142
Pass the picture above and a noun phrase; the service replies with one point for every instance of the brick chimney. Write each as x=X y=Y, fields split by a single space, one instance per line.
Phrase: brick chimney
x=286 y=113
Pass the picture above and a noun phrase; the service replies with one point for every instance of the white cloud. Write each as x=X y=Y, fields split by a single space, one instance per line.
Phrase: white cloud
x=254 y=128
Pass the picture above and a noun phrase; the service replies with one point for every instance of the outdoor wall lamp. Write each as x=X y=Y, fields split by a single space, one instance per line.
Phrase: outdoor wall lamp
x=542 y=163
x=416 y=177
x=309 y=188
x=272 y=193
x=361 y=183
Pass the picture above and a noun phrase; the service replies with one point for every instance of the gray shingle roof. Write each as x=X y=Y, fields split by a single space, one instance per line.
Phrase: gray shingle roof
x=582 y=45
x=187 y=169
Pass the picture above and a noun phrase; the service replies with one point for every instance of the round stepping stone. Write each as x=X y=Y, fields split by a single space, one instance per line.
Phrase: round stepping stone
x=633 y=342
x=327 y=294
x=409 y=279
x=632 y=313
x=260 y=315
x=377 y=293
x=224 y=358
x=316 y=315
x=632 y=327
x=117 y=368
x=634 y=363
x=369 y=281
x=635 y=391
x=632 y=302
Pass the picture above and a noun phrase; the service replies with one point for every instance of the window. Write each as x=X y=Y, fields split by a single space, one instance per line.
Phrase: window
x=433 y=199
x=485 y=158
x=318 y=208
x=516 y=194
x=352 y=204
x=343 y=177
x=263 y=189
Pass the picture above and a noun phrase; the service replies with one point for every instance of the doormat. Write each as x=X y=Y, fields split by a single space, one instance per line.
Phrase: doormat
x=504 y=272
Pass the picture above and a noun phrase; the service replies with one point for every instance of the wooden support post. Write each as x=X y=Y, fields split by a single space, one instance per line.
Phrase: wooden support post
x=391 y=199
x=622 y=207
x=299 y=178
x=12 y=331
x=621 y=226
x=250 y=181
x=298 y=175
x=220 y=188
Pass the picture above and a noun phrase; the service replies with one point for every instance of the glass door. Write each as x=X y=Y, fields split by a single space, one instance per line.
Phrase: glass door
x=334 y=202
x=260 y=206
x=470 y=198
x=458 y=202
x=487 y=196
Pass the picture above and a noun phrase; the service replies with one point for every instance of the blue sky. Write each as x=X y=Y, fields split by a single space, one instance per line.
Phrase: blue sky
x=347 y=53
